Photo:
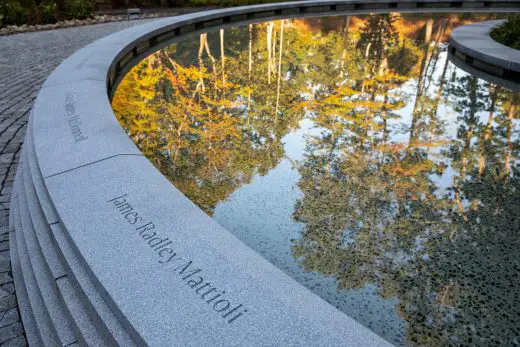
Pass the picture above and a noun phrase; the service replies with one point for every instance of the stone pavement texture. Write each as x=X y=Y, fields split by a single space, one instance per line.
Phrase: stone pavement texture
x=25 y=62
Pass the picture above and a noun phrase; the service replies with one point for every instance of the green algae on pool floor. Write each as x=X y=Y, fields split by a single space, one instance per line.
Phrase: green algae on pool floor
x=352 y=154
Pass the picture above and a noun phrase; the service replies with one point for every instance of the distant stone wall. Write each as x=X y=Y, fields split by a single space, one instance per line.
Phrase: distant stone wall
x=106 y=251
x=473 y=45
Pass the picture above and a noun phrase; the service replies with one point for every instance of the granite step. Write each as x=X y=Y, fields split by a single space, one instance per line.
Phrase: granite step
x=44 y=281
x=45 y=329
x=41 y=228
x=79 y=277
x=29 y=323
x=85 y=330
x=41 y=191
x=84 y=327
x=31 y=330
x=88 y=335
x=106 y=323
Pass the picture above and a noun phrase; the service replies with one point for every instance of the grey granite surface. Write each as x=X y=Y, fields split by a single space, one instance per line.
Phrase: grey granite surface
x=474 y=40
x=72 y=126
x=279 y=311
x=25 y=62
x=103 y=317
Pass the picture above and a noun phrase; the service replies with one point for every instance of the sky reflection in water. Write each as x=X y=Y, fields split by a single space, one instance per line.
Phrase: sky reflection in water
x=354 y=156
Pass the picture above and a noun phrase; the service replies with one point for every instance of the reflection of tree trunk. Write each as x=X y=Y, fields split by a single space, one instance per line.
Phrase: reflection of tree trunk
x=342 y=63
x=509 y=130
x=385 y=119
x=386 y=133
x=433 y=57
x=428 y=30
x=279 y=74
x=250 y=61
x=433 y=115
x=367 y=120
x=418 y=96
x=381 y=60
x=441 y=83
x=201 y=63
x=222 y=57
x=249 y=69
x=269 y=48
x=179 y=139
x=383 y=66
x=273 y=56
x=442 y=29
x=487 y=132
x=473 y=85
x=204 y=38
x=381 y=47
x=367 y=52
x=460 y=208
x=426 y=63
x=346 y=24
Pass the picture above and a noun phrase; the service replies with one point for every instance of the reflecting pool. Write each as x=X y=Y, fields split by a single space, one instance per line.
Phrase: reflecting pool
x=352 y=154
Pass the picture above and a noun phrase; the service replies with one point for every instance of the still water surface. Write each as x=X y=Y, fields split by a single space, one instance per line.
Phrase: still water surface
x=352 y=154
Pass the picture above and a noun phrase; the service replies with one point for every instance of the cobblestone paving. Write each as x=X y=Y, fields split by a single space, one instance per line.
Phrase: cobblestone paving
x=25 y=62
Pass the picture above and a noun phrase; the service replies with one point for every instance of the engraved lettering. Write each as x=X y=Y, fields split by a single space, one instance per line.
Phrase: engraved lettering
x=73 y=119
x=184 y=269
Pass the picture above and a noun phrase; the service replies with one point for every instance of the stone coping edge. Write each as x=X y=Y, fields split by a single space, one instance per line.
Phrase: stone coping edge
x=501 y=81
x=473 y=45
x=169 y=274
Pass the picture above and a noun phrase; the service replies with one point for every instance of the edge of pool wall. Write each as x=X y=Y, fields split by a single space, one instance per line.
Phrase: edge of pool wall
x=473 y=45
x=106 y=251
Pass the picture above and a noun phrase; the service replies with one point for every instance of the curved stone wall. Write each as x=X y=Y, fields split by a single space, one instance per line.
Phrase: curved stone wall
x=483 y=75
x=473 y=45
x=106 y=251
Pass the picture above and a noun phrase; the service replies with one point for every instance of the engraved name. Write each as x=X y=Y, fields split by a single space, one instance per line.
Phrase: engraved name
x=73 y=118
x=182 y=268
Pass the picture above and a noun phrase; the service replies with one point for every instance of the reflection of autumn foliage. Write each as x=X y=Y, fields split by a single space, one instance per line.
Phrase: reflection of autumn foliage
x=373 y=212
x=376 y=216
x=209 y=134
x=189 y=130
x=210 y=126
x=408 y=25
x=211 y=113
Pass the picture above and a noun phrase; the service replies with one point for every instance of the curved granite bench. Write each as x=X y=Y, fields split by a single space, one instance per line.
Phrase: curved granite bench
x=473 y=45
x=106 y=251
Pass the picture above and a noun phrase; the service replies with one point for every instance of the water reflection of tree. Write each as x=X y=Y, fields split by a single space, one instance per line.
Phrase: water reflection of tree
x=206 y=127
x=209 y=125
x=211 y=113
x=376 y=215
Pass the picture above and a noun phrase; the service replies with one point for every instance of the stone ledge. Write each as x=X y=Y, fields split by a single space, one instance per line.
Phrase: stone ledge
x=501 y=81
x=473 y=45
x=135 y=250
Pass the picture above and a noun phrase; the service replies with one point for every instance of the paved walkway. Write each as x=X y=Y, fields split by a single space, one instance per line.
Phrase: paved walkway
x=25 y=62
